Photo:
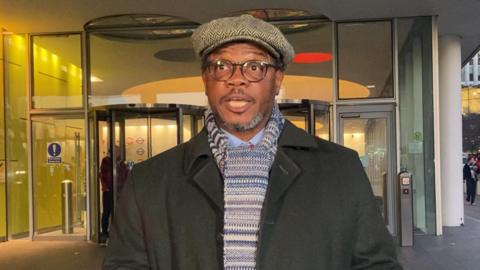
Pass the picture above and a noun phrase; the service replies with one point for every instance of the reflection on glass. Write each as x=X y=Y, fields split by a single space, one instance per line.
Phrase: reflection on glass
x=322 y=125
x=188 y=128
x=15 y=52
x=416 y=116
x=471 y=100
x=369 y=138
x=136 y=140
x=299 y=121
x=365 y=60
x=59 y=154
x=164 y=134
x=57 y=72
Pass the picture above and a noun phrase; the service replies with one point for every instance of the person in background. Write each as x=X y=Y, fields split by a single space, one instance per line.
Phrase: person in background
x=469 y=175
x=106 y=180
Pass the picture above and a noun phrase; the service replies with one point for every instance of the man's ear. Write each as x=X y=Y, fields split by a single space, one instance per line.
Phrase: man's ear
x=278 y=81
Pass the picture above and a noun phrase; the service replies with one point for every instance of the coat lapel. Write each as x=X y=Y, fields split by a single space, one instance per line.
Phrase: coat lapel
x=210 y=182
x=200 y=164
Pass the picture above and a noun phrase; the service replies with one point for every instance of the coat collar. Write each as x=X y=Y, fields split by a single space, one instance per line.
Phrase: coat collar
x=199 y=163
x=291 y=137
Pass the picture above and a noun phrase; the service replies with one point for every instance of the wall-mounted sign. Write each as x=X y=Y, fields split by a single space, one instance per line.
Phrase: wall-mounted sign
x=140 y=151
x=54 y=152
x=140 y=140
x=129 y=140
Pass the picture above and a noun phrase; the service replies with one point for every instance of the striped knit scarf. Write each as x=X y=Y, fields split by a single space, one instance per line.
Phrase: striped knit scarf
x=245 y=170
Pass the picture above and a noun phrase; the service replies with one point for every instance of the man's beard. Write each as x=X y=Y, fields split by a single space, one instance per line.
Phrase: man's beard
x=242 y=127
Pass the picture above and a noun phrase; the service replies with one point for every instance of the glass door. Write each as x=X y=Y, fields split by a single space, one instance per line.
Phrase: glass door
x=58 y=161
x=370 y=133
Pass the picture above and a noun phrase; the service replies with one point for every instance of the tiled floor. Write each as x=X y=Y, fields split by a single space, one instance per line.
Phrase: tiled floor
x=457 y=249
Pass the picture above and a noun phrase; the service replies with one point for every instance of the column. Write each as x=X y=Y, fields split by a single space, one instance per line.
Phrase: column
x=449 y=54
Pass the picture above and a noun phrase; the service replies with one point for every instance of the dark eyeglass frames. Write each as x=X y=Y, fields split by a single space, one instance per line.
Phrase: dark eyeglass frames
x=253 y=71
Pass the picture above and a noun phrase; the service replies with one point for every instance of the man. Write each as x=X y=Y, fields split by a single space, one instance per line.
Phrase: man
x=250 y=191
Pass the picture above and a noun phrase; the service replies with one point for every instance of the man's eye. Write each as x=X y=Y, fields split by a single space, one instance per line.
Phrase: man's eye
x=254 y=66
x=220 y=66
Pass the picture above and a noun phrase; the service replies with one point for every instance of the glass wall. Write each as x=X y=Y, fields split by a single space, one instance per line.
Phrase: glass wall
x=57 y=72
x=58 y=155
x=310 y=74
x=125 y=71
x=416 y=115
x=471 y=119
x=365 y=58
x=15 y=77
x=167 y=71
x=471 y=100
x=3 y=199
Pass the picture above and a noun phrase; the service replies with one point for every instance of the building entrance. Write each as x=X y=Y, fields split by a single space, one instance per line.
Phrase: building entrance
x=127 y=135
x=370 y=131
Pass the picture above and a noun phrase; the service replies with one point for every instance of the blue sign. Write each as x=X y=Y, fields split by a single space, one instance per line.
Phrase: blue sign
x=54 y=151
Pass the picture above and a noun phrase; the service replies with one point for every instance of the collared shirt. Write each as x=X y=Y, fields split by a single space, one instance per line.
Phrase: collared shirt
x=234 y=141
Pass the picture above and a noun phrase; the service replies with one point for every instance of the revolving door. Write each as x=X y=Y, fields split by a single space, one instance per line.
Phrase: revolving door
x=121 y=136
x=312 y=116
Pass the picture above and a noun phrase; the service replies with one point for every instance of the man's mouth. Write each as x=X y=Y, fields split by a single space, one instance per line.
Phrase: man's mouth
x=237 y=105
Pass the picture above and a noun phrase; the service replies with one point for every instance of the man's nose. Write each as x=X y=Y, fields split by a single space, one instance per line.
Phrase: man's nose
x=237 y=77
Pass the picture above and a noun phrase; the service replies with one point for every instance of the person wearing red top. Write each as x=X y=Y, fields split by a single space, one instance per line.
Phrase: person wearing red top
x=106 y=180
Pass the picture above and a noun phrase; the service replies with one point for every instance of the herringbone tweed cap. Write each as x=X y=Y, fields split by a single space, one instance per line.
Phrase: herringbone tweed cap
x=215 y=33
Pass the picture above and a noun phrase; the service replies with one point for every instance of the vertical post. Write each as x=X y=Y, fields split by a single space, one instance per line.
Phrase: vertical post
x=67 y=213
x=451 y=130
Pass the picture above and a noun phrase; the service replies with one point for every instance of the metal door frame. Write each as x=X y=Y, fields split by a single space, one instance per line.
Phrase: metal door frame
x=373 y=111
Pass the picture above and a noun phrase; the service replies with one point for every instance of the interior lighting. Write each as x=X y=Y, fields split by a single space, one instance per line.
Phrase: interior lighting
x=312 y=57
x=94 y=78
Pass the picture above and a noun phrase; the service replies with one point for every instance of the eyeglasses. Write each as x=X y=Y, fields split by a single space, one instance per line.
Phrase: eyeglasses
x=253 y=71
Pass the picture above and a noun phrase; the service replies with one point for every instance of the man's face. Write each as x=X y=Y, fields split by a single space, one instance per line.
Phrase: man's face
x=242 y=107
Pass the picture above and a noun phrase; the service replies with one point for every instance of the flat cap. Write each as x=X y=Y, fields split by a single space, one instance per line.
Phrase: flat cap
x=209 y=36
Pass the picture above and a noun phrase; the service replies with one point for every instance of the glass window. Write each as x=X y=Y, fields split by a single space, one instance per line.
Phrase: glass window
x=57 y=72
x=416 y=116
x=15 y=58
x=59 y=156
x=365 y=60
x=129 y=70
x=310 y=74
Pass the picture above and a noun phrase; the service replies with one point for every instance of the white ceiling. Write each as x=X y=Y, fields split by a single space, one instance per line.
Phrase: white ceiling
x=456 y=17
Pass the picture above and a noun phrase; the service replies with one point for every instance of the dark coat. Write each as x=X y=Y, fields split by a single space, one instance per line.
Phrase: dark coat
x=319 y=211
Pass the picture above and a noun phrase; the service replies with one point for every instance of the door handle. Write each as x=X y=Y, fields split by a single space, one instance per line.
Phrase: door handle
x=350 y=115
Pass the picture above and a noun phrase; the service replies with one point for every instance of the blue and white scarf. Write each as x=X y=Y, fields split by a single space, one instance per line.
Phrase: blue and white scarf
x=245 y=170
